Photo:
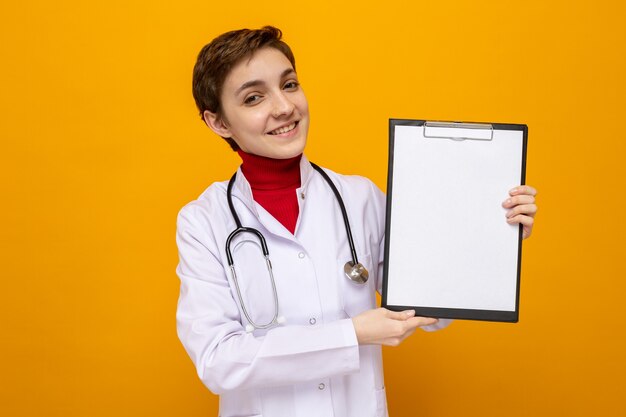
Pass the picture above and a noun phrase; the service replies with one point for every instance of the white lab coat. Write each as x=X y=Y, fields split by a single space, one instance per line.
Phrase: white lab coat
x=312 y=364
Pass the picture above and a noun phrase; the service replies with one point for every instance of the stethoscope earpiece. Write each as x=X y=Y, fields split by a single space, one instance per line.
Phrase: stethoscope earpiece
x=357 y=273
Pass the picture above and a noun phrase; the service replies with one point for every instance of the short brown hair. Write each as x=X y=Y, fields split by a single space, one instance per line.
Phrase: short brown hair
x=217 y=58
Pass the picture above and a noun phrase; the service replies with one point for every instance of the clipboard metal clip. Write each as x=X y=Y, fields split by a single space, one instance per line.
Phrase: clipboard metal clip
x=458 y=130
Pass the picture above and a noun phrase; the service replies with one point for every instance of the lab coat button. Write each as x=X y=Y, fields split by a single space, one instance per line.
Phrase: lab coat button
x=301 y=255
x=321 y=386
x=302 y=195
x=312 y=320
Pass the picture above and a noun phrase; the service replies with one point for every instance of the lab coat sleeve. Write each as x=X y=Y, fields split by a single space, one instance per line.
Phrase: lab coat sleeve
x=380 y=211
x=226 y=357
x=379 y=200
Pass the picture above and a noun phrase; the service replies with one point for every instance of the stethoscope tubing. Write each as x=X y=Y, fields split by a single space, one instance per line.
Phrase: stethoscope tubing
x=274 y=319
x=241 y=229
x=346 y=222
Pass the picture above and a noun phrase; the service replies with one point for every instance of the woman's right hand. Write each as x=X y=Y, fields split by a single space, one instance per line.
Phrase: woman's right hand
x=385 y=327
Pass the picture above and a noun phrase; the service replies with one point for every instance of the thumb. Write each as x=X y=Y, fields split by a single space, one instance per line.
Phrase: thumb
x=401 y=315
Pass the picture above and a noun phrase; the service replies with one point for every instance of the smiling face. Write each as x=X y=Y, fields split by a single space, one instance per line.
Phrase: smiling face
x=264 y=109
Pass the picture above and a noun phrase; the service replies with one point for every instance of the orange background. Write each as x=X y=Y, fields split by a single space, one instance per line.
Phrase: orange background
x=101 y=146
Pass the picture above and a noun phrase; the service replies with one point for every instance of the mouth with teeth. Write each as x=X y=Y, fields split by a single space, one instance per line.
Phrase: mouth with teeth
x=284 y=129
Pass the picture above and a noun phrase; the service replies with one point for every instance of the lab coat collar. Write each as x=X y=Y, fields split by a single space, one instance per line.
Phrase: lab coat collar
x=305 y=172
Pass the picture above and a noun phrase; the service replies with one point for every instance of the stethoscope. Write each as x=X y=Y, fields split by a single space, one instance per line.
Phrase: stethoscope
x=353 y=269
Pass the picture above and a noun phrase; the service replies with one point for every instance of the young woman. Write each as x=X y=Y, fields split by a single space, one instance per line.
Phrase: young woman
x=287 y=334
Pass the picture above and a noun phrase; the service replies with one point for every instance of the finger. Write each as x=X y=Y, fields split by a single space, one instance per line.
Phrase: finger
x=523 y=189
x=409 y=333
x=518 y=200
x=526 y=232
x=399 y=315
x=421 y=321
x=525 y=221
x=409 y=327
x=524 y=209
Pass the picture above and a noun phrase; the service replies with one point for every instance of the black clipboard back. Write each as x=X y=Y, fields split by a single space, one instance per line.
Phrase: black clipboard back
x=475 y=146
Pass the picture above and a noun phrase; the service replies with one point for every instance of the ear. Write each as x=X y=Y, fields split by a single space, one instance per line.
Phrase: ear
x=216 y=123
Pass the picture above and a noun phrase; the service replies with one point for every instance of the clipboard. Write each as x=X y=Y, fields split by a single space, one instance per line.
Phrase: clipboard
x=449 y=252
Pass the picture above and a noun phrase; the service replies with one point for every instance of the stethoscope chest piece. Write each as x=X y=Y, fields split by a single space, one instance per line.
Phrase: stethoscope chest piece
x=356 y=273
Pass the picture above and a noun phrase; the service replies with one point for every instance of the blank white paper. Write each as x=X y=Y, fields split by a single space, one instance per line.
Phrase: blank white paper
x=450 y=245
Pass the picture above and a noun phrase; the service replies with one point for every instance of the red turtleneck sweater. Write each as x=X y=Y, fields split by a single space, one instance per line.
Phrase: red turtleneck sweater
x=274 y=183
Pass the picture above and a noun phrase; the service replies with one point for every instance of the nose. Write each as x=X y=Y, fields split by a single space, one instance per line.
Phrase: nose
x=283 y=106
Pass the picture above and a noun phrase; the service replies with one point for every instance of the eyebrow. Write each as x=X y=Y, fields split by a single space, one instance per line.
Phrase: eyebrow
x=255 y=83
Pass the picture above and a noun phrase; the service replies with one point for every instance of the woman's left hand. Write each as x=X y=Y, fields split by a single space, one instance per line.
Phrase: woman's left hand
x=521 y=208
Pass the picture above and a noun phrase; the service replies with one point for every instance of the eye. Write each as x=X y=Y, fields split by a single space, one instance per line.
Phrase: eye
x=291 y=85
x=252 y=99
